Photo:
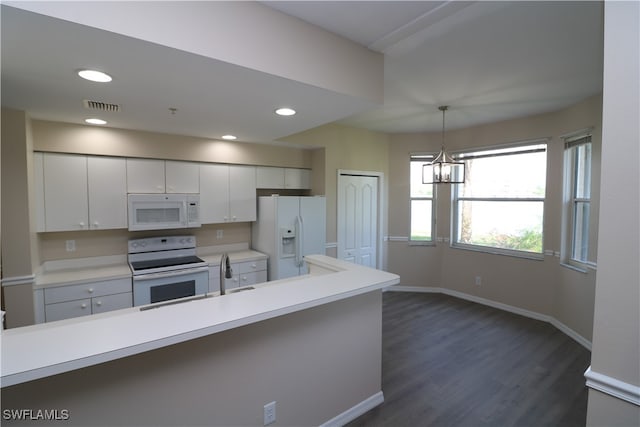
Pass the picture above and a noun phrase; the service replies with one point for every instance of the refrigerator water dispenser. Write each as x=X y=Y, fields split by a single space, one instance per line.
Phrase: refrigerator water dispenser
x=288 y=242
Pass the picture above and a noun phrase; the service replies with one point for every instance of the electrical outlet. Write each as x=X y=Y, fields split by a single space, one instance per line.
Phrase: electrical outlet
x=219 y=234
x=270 y=413
x=70 y=245
x=478 y=280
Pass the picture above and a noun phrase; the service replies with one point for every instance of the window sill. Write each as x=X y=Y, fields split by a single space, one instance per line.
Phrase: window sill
x=583 y=268
x=504 y=252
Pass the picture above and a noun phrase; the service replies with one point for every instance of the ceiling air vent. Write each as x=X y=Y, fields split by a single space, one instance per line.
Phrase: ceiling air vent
x=101 y=106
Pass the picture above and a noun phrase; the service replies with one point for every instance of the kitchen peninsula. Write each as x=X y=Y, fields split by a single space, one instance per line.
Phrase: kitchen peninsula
x=311 y=344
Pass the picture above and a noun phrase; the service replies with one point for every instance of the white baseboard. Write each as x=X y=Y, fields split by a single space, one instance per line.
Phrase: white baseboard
x=355 y=411
x=506 y=307
x=613 y=386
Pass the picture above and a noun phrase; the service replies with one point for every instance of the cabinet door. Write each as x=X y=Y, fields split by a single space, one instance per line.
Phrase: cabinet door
x=297 y=178
x=67 y=310
x=182 y=177
x=268 y=177
x=107 y=183
x=111 y=302
x=242 y=193
x=38 y=188
x=145 y=176
x=214 y=193
x=65 y=192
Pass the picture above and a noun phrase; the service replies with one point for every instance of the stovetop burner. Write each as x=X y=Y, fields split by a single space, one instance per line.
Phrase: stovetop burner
x=163 y=254
x=164 y=262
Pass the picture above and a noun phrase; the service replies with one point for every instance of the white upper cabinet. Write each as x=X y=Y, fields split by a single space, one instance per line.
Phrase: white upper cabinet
x=75 y=192
x=283 y=178
x=227 y=193
x=159 y=176
x=268 y=177
x=182 y=177
x=65 y=192
x=297 y=178
x=242 y=193
x=214 y=193
x=107 y=189
x=145 y=176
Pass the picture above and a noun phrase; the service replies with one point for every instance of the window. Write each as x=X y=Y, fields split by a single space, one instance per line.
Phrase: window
x=500 y=206
x=578 y=200
x=422 y=204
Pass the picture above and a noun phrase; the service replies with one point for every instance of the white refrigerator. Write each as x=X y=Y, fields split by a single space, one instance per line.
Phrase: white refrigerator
x=287 y=229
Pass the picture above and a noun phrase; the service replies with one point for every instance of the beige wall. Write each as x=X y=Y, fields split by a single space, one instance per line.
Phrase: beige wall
x=346 y=148
x=16 y=176
x=19 y=242
x=616 y=332
x=71 y=138
x=308 y=362
x=541 y=286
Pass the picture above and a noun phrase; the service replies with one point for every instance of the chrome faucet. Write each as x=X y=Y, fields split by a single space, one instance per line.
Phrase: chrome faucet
x=225 y=272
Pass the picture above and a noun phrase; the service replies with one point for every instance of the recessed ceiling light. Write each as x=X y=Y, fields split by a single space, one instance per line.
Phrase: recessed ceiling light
x=229 y=137
x=285 y=111
x=94 y=121
x=95 y=76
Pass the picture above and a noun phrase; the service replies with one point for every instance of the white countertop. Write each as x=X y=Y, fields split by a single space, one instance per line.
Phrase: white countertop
x=38 y=351
x=84 y=270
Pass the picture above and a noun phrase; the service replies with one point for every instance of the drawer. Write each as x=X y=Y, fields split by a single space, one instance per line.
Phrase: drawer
x=246 y=279
x=112 y=302
x=67 y=310
x=249 y=266
x=86 y=290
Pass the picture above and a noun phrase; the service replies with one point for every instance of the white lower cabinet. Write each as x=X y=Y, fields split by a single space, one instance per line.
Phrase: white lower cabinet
x=64 y=302
x=244 y=274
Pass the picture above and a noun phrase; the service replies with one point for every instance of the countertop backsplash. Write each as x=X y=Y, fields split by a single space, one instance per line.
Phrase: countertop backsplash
x=53 y=246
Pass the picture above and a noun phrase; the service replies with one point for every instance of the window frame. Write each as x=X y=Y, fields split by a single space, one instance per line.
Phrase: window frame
x=422 y=158
x=571 y=200
x=516 y=148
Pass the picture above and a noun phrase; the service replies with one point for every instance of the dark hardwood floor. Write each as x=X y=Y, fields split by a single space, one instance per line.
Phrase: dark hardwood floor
x=450 y=362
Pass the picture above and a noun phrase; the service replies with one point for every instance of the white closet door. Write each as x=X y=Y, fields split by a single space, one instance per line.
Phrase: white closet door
x=358 y=219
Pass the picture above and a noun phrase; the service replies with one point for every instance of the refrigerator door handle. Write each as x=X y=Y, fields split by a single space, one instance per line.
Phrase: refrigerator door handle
x=298 y=241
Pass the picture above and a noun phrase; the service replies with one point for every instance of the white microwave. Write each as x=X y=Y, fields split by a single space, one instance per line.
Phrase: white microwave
x=163 y=211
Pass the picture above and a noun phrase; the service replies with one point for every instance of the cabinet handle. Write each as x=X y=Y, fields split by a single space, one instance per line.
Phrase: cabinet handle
x=234 y=217
x=81 y=224
x=98 y=303
x=96 y=224
x=83 y=306
x=244 y=278
x=254 y=266
x=90 y=290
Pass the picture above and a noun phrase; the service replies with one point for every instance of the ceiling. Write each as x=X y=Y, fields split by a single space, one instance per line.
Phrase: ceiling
x=489 y=61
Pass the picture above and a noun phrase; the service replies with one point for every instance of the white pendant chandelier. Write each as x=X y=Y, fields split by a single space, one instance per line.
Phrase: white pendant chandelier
x=443 y=169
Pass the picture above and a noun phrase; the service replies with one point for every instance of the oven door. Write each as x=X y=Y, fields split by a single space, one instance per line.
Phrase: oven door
x=157 y=287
